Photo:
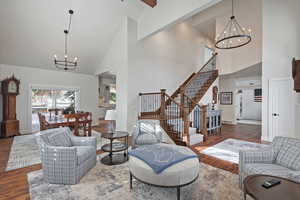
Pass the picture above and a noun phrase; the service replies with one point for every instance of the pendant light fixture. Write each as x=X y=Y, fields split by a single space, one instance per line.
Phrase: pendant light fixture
x=233 y=35
x=66 y=63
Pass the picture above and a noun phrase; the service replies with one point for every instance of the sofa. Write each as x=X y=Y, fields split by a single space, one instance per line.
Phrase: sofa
x=65 y=158
x=281 y=158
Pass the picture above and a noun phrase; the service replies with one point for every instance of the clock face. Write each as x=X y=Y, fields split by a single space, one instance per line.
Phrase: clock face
x=12 y=87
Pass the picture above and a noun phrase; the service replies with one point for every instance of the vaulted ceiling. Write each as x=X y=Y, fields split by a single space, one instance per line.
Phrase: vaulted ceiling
x=32 y=30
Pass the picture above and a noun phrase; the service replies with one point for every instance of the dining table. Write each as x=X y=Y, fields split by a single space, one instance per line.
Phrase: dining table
x=62 y=121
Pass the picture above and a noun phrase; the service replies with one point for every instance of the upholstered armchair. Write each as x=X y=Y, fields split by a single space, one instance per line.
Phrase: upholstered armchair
x=281 y=159
x=65 y=158
x=147 y=132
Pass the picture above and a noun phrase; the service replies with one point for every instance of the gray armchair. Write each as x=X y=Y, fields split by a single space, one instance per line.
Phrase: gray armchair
x=281 y=159
x=65 y=158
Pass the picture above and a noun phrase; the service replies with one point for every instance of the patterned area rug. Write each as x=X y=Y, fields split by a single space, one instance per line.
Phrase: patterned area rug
x=25 y=152
x=228 y=150
x=112 y=182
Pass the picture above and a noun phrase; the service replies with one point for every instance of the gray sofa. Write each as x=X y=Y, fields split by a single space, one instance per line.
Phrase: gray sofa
x=65 y=158
x=281 y=159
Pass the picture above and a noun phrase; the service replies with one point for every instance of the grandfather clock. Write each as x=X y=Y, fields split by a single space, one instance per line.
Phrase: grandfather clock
x=10 y=90
x=296 y=74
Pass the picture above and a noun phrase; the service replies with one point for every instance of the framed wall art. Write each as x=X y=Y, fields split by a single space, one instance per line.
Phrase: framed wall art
x=226 y=98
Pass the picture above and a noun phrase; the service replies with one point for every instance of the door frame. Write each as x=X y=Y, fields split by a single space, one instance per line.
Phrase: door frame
x=269 y=116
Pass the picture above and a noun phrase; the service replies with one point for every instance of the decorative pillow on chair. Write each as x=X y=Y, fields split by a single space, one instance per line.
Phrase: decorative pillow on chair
x=144 y=138
x=289 y=156
x=60 y=139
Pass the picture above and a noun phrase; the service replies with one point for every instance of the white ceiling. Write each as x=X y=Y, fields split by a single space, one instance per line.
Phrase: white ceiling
x=205 y=21
x=32 y=30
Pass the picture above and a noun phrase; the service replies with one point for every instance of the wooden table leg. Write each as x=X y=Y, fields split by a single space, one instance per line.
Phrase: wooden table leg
x=130 y=181
x=178 y=193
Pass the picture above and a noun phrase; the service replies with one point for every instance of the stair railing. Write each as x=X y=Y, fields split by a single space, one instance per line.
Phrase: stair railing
x=173 y=119
x=191 y=88
x=150 y=104
x=196 y=115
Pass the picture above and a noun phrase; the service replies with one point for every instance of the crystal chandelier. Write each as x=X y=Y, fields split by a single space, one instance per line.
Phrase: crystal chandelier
x=233 y=35
x=66 y=63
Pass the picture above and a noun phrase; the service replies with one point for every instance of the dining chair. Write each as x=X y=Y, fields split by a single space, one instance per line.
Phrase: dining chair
x=55 y=111
x=44 y=125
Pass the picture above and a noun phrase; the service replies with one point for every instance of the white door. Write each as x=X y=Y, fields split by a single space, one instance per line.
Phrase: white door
x=280 y=107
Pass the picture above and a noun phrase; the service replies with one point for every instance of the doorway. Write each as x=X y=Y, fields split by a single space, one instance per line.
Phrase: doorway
x=249 y=106
x=43 y=99
x=280 y=107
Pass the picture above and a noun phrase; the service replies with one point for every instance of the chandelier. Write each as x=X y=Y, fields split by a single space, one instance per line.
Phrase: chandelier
x=66 y=63
x=233 y=35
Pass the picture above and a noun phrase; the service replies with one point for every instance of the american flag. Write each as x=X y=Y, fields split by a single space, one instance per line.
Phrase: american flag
x=257 y=95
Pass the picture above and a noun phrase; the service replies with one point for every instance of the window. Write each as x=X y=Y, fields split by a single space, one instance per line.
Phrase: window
x=43 y=99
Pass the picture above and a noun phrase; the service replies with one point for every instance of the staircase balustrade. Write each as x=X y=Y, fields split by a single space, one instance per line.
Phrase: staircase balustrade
x=180 y=111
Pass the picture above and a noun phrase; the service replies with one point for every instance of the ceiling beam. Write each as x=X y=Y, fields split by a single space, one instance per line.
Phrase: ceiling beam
x=151 y=3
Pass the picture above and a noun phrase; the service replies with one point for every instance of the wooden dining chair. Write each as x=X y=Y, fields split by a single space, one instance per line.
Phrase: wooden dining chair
x=55 y=111
x=44 y=125
x=80 y=120
x=73 y=122
x=86 y=122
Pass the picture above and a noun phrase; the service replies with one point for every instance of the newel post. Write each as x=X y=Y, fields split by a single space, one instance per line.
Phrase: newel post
x=185 y=117
x=204 y=121
x=162 y=107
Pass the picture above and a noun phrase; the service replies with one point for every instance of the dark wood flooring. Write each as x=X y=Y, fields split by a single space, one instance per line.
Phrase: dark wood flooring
x=251 y=133
x=14 y=185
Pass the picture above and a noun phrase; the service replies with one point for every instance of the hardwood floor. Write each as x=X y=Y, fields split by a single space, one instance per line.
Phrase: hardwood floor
x=251 y=133
x=13 y=184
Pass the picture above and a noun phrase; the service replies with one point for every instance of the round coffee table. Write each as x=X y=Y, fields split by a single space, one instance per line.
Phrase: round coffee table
x=287 y=189
x=114 y=147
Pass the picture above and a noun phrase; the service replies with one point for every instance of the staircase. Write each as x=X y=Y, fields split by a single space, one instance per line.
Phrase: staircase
x=180 y=114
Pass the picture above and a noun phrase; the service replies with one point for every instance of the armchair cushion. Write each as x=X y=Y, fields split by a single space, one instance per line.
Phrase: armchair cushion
x=289 y=156
x=84 y=141
x=60 y=139
x=267 y=169
x=295 y=176
x=84 y=153
x=264 y=155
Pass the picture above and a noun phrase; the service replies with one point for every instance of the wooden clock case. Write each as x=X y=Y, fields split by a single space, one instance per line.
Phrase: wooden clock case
x=10 y=124
x=296 y=74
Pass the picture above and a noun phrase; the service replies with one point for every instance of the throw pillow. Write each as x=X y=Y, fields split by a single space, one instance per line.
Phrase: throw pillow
x=289 y=156
x=60 y=139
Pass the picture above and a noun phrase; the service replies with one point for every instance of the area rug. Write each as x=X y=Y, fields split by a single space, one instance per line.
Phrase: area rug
x=228 y=150
x=112 y=183
x=25 y=152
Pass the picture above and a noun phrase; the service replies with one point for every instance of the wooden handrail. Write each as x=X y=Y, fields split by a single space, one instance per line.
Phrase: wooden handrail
x=173 y=100
x=215 y=54
x=194 y=102
x=150 y=93
x=199 y=72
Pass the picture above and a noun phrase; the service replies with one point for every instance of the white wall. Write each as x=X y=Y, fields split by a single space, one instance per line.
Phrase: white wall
x=228 y=111
x=87 y=84
x=163 y=60
x=115 y=61
x=281 y=42
x=167 y=13
x=249 y=15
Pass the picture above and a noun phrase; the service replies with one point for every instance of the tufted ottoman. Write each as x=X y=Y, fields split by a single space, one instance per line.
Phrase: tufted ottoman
x=176 y=176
